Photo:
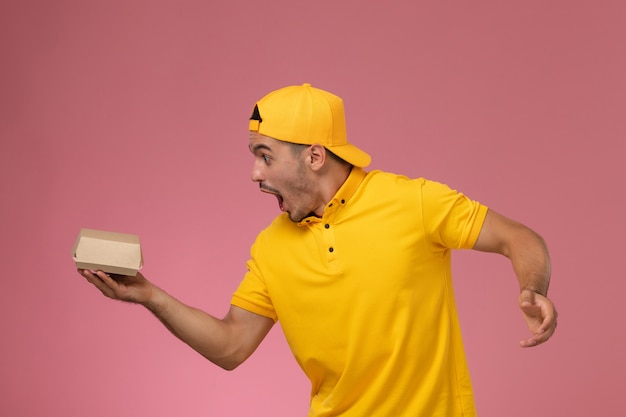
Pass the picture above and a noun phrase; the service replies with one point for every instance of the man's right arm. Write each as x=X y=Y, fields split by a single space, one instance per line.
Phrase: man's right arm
x=226 y=342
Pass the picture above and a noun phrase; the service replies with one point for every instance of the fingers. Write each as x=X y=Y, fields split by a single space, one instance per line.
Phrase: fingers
x=100 y=280
x=548 y=326
x=107 y=284
x=537 y=339
x=541 y=317
x=119 y=287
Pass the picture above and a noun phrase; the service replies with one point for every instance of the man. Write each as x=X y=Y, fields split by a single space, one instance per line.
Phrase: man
x=357 y=270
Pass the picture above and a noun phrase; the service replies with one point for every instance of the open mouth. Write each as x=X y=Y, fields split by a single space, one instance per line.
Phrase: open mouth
x=275 y=193
x=280 y=202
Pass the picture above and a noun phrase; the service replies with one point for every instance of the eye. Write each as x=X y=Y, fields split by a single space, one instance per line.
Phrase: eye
x=266 y=158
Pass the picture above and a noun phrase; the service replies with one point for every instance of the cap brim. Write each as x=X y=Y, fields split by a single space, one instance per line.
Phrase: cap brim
x=351 y=154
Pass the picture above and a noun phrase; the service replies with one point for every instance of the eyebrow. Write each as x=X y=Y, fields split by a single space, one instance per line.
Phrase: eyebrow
x=256 y=147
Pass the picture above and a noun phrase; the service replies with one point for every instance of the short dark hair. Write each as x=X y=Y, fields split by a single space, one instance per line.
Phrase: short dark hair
x=297 y=149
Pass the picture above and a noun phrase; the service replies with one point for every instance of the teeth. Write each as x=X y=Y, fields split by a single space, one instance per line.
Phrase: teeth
x=278 y=197
x=280 y=202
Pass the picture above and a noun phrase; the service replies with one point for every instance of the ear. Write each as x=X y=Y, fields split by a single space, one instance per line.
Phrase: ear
x=316 y=157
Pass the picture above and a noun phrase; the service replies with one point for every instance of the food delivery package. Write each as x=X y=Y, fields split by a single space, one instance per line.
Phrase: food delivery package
x=113 y=253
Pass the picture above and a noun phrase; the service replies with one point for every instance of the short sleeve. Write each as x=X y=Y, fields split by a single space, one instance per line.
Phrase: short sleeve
x=252 y=293
x=451 y=219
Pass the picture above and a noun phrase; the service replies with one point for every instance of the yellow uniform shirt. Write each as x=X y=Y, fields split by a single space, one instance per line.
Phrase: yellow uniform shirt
x=364 y=296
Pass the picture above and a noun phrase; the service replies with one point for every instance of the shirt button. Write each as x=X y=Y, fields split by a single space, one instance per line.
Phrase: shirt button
x=327 y=226
x=331 y=249
x=343 y=201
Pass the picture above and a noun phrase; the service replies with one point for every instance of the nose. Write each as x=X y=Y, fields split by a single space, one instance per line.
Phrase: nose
x=257 y=172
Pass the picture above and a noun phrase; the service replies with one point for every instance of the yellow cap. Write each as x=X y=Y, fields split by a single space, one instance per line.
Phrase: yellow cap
x=306 y=115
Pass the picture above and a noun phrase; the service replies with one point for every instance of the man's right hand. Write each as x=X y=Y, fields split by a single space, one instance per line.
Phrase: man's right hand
x=135 y=289
x=226 y=342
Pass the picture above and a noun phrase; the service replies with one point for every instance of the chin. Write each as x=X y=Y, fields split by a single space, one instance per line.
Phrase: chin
x=296 y=220
x=295 y=217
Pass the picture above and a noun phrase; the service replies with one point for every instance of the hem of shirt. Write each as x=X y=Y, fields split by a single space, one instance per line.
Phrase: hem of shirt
x=481 y=214
x=253 y=308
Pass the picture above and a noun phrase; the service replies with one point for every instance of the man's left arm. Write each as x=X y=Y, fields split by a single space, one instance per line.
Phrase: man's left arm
x=529 y=256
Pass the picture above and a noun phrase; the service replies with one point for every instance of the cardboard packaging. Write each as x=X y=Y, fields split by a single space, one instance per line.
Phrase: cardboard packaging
x=113 y=253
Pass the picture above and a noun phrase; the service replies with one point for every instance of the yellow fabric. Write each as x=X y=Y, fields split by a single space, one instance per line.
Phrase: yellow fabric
x=306 y=115
x=373 y=321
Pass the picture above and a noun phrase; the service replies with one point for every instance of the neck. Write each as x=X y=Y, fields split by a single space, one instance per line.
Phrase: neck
x=331 y=183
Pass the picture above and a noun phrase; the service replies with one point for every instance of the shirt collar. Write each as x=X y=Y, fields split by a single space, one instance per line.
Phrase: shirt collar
x=342 y=197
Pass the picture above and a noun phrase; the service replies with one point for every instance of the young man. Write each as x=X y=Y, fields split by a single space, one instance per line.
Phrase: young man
x=357 y=270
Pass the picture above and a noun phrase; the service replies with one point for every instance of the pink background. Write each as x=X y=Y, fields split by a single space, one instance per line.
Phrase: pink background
x=132 y=116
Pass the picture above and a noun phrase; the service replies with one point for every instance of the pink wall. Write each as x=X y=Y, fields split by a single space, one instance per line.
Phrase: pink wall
x=132 y=116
